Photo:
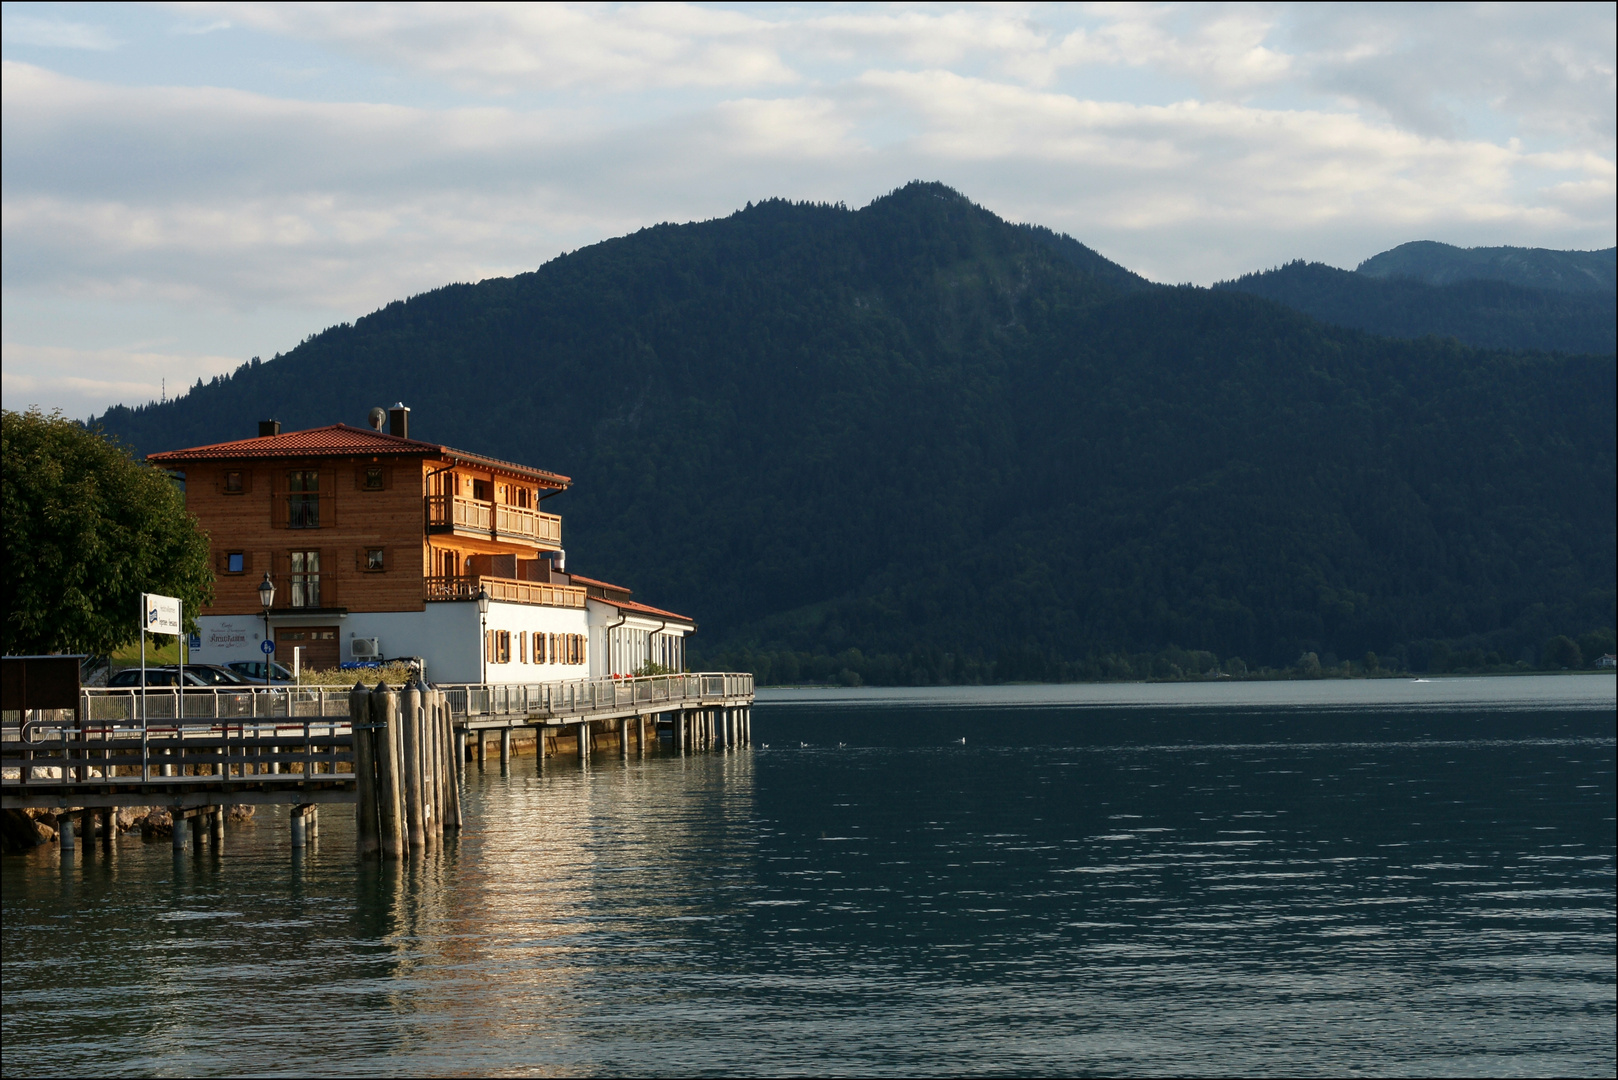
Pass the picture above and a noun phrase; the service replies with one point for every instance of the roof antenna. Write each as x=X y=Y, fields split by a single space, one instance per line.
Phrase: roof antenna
x=378 y=417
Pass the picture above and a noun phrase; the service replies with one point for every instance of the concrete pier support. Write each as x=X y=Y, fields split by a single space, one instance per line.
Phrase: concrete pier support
x=483 y=749
x=640 y=736
x=216 y=827
x=64 y=835
x=505 y=749
x=623 y=739
x=179 y=828
x=109 y=828
x=584 y=741
x=299 y=829
x=196 y=831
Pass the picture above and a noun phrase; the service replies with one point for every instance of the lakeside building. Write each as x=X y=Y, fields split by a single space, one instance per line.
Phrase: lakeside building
x=379 y=545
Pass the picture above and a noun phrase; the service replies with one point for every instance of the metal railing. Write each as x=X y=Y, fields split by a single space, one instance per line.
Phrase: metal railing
x=578 y=697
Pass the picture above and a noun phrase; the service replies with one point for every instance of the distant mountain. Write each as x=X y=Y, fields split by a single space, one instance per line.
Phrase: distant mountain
x=915 y=443
x=1490 y=313
x=1433 y=263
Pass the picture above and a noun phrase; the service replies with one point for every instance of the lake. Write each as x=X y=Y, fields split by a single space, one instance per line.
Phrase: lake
x=1383 y=876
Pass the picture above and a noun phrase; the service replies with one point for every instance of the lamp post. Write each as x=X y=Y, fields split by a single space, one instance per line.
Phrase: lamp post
x=266 y=596
x=483 y=641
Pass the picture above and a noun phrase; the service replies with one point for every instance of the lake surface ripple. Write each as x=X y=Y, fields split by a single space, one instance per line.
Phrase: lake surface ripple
x=1285 y=879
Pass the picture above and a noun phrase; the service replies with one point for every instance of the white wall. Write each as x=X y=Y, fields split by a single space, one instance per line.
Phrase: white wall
x=620 y=647
x=448 y=635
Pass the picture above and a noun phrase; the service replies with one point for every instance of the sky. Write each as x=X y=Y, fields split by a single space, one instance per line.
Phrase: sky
x=187 y=186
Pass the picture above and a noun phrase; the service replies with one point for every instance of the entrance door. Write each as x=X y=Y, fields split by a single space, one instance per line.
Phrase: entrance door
x=319 y=643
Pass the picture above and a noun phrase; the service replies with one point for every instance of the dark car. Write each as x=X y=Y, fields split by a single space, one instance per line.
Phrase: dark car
x=214 y=675
x=157 y=676
x=253 y=671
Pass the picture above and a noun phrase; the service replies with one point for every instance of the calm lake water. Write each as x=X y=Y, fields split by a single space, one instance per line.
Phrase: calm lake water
x=1284 y=878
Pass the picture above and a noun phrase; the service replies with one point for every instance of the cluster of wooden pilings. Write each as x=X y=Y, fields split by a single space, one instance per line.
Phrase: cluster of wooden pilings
x=407 y=776
x=713 y=729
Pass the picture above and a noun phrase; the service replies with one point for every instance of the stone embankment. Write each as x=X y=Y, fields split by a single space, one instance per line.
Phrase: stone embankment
x=21 y=830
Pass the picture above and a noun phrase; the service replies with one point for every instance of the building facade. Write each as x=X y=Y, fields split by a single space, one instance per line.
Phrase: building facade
x=378 y=546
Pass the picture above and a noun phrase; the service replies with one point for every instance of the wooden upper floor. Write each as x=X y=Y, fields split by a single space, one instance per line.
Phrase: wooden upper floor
x=359 y=519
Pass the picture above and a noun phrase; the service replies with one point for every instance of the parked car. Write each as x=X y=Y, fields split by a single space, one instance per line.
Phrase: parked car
x=157 y=676
x=253 y=671
x=214 y=675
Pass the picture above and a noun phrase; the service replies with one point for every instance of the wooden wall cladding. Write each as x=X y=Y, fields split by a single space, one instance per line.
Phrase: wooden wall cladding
x=352 y=519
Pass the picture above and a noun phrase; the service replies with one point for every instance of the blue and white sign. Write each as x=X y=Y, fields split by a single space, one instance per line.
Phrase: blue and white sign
x=194 y=641
x=267 y=645
x=159 y=614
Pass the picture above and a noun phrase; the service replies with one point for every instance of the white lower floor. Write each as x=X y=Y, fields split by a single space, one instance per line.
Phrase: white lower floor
x=515 y=643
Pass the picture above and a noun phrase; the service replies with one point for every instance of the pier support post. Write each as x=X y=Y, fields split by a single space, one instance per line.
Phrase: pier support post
x=483 y=748
x=505 y=749
x=87 y=826
x=196 y=831
x=457 y=775
x=679 y=731
x=640 y=736
x=410 y=718
x=109 y=827
x=367 y=840
x=179 y=828
x=623 y=739
x=216 y=828
x=584 y=742
x=299 y=833
x=390 y=812
x=440 y=755
x=64 y=832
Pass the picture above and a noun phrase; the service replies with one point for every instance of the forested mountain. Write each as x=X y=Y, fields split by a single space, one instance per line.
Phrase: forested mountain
x=915 y=443
x=1530 y=268
x=1491 y=313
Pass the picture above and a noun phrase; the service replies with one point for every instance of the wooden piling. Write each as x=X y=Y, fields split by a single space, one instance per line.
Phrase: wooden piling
x=390 y=814
x=368 y=841
x=435 y=760
x=410 y=718
x=455 y=775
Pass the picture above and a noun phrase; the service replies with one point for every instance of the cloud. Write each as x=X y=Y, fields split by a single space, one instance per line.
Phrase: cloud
x=57 y=34
x=83 y=382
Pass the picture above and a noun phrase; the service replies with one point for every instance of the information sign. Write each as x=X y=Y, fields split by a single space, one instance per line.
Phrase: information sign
x=160 y=614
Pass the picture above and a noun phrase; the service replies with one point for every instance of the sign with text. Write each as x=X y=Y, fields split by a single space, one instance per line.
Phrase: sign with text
x=159 y=614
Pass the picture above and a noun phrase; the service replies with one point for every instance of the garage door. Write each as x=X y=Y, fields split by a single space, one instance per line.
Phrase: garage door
x=319 y=644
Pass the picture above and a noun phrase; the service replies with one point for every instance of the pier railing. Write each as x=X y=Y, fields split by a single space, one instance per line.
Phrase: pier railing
x=581 y=697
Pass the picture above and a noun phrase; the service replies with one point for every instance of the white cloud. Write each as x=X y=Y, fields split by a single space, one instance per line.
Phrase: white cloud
x=84 y=382
x=56 y=34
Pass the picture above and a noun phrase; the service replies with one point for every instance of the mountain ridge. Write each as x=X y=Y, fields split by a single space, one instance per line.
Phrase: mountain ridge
x=960 y=448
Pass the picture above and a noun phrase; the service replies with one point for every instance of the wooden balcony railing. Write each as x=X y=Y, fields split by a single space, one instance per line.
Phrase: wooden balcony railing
x=494 y=519
x=466 y=587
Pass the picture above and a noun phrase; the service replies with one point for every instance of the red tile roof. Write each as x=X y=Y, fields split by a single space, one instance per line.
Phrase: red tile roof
x=579 y=579
x=643 y=609
x=341 y=440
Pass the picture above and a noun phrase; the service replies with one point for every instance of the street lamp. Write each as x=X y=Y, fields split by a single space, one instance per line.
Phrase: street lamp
x=266 y=596
x=483 y=644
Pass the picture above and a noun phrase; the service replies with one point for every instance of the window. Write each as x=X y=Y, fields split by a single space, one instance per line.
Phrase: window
x=502 y=647
x=305 y=579
x=236 y=562
x=303 y=499
x=372 y=480
x=373 y=559
x=480 y=490
x=233 y=482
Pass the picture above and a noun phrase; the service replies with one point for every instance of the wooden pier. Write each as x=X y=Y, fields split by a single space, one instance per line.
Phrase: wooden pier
x=397 y=753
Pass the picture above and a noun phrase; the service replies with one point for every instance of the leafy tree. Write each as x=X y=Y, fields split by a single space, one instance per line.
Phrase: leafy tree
x=87 y=530
x=1561 y=651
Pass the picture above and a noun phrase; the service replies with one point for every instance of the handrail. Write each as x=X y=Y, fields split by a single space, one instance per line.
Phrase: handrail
x=576 y=697
x=467 y=586
x=499 y=519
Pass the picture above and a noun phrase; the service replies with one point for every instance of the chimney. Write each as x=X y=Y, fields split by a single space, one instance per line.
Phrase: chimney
x=399 y=421
x=266 y=428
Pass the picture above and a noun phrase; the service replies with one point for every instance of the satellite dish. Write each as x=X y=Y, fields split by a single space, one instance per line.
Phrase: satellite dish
x=379 y=417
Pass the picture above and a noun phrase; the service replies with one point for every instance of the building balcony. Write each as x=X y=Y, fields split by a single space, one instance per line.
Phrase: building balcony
x=492 y=521
x=509 y=590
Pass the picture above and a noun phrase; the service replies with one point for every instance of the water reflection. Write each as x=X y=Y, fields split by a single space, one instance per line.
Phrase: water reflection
x=1162 y=892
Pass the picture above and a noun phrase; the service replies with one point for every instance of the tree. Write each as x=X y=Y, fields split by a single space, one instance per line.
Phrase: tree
x=87 y=530
x=1561 y=651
